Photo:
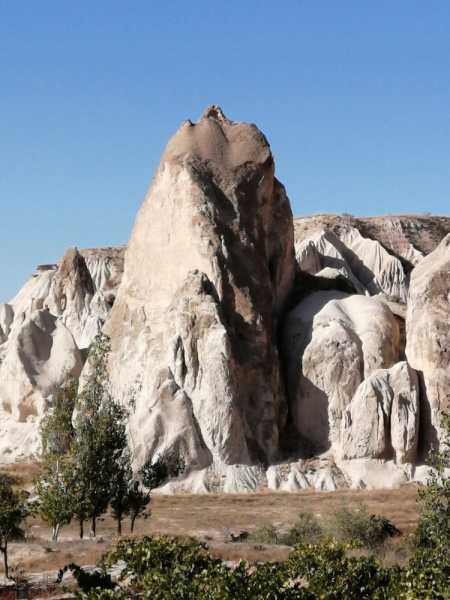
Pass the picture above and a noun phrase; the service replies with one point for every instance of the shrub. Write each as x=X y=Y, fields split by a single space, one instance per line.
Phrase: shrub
x=267 y=533
x=305 y=530
x=356 y=525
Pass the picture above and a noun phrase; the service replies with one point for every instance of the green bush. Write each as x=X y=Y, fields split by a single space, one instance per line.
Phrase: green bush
x=267 y=533
x=305 y=530
x=166 y=568
x=354 y=524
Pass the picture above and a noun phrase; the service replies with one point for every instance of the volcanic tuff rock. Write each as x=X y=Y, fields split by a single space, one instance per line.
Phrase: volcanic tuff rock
x=428 y=338
x=382 y=419
x=265 y=363
x=203 y=286
x=332 y=342
x=45 y=331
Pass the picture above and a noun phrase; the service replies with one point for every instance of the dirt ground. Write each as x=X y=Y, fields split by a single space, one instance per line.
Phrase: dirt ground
x=209 y=518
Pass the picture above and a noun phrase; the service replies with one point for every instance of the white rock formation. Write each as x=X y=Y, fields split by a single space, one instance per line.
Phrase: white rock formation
x=367 y=264
x=105 y=266
x=198 y=303
x=6 y=320
x=428 y=338
x=382 y=419
x=40 y=348
x=332 y=342
x=41 y=354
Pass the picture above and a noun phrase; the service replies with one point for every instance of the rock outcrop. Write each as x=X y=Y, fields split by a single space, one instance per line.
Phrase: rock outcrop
x=203 y=286
x=428 y=338
x=364 y=261
x=332 y=343
x=382 y=419
x=41 y=354
x=269 y=352
x=45 y=333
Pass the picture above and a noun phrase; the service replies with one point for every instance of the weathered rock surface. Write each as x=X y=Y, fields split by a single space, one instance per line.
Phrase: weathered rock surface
x=268 y=357
x=332 y=342
x=202 y=287
x=41 y=354
x=105 y=266
x=428 y=338
x=382 y=419
x=378 y=253
x=364 y=261
x=45 y=331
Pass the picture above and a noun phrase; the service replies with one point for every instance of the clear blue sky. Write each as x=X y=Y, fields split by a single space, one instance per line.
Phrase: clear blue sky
x=354 y=97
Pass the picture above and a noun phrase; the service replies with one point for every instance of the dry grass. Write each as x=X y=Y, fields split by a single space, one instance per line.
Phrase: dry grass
x=22 y=473
x=209 y=518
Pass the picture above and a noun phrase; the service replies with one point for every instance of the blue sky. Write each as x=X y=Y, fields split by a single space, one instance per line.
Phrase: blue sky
x=354 y=97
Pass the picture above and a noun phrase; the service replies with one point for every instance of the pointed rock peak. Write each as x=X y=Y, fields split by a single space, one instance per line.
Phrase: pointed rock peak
x=214 y=112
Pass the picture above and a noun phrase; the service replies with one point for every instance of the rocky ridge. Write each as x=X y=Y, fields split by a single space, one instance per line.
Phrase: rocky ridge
x=270 y=351
x=45 y=333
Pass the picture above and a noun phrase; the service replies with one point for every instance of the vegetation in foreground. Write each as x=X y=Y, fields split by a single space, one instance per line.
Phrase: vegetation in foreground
x=87 y=469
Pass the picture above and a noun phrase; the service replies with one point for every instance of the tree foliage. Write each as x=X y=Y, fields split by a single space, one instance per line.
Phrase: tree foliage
x=85 y=455
x=53 y=485
x=14 y=508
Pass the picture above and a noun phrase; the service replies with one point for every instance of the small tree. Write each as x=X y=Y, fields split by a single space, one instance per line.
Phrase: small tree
x=53 y=486
x=138 y=501
x=100 y=440
x=55 y=501
x=121 y=492
x=14 y=509
x=157 y=472
x=433 y=531
x=154 y=473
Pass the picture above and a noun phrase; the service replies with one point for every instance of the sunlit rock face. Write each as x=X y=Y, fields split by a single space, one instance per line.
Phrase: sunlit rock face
x=376 y=253
x=45 y=333
x=268 y=351
x=41 y=354
x=208 y=270
x=428 y=338
x=333 y=342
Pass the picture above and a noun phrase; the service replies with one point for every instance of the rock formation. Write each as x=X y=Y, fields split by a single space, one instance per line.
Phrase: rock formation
x=269 y=351
x=333 y=342
x=195 y=319
x=45 y=332
x=382 y=419
x=428 y=338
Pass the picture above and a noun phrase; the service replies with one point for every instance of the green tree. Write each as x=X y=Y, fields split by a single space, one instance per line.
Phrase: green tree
x=121 y=490
x=129 y=498
x=433 y=531
x=154 y=473
x=53 y=485
x=138 y=500
x=100 y=440
x=14 y=508
x=158 y=471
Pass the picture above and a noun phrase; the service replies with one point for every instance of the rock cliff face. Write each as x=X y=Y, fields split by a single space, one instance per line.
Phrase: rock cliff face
x=270 y=351
x=197 y=311
x=428 y=338
x=45 y=331
x=333 y=343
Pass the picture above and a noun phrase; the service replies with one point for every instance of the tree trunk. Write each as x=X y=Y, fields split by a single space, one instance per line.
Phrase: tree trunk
x=93 y=526
x=119 y=524
x=5 y=559
x=81 y=522
x=133 y=519
x=55 y=532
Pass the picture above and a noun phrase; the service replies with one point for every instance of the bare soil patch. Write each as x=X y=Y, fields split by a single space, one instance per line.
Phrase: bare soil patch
x=209 y=518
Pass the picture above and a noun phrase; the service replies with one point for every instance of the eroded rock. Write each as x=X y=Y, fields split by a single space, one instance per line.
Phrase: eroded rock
x=41 y=354
x=428 y=338
x=202 y=287
x=332 y=342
